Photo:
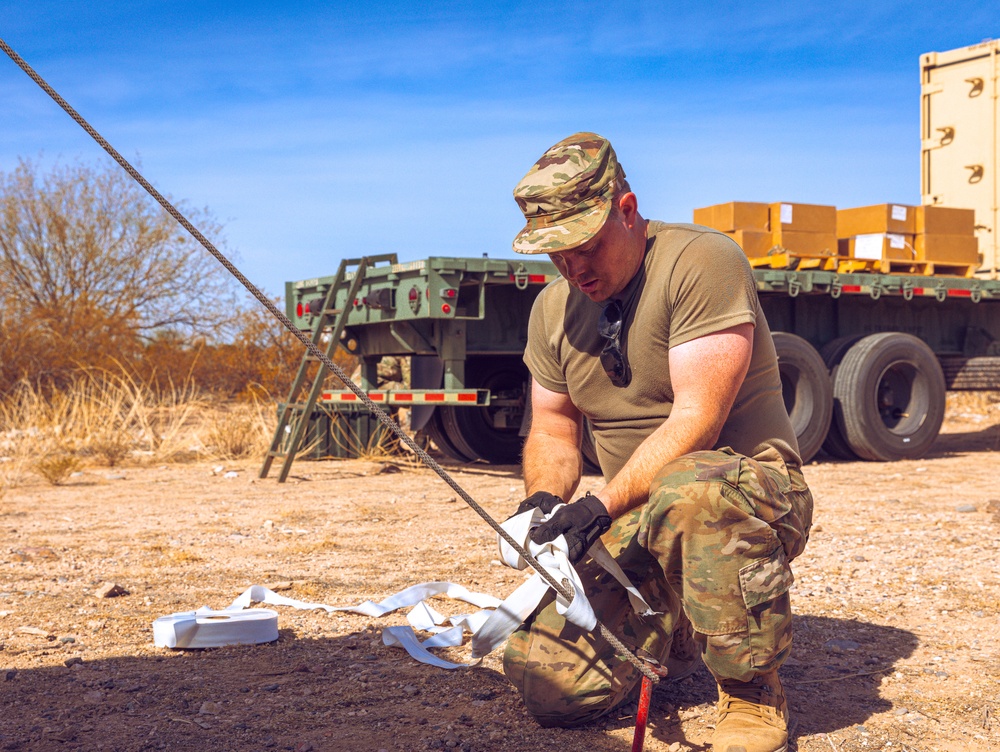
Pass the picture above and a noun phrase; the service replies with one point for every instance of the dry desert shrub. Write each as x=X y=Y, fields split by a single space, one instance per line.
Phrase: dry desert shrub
x=239 y=431
x=57 y=467
x=100 y=418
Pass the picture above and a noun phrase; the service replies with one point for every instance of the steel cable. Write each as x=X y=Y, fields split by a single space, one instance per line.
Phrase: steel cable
x=620 y=648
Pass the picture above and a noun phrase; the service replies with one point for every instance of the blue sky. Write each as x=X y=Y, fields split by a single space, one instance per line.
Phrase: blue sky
x=316 y=131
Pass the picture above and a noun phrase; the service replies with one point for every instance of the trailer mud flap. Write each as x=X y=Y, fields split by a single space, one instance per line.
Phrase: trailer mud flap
x=426 y=372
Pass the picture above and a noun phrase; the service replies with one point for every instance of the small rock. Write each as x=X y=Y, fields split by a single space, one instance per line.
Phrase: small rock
x=841 y=646
x=305 y=747
x=966 y=508
x=114 y=476
x=9 y=674
x=268 y=525
x=69 y=662
x=110 y=590
x=35 y=631
x=858 y=557
x=411 y=690
x=67 y=640
x=675 y=747
x=901 y=711
x=270 y=687
x=279 y=586
x=231 y=474
x=76 y=474
x=210 y=708
x=218 y=469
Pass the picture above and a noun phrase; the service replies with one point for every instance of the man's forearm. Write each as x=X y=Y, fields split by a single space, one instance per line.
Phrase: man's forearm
x=679 y=435
x=551 y=464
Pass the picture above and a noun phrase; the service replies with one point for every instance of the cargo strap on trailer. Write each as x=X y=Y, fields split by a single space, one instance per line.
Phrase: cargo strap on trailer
x=650 y=675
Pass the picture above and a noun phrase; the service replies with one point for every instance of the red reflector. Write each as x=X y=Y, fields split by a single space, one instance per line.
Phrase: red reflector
x=960 y=293
x=532 y=278
x=433 y=398
x=851 y=288
x=298 y=310
x=466 y=398
x=918 y=291
x=403 y=397
x=350 y=397
x=445 y=308
x=376 y=397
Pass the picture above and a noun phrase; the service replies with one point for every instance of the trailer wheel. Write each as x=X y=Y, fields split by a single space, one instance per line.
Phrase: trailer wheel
x=806 y=390
x=439 y=436
x=892 y=395
x=489 y=433
x=832 y=353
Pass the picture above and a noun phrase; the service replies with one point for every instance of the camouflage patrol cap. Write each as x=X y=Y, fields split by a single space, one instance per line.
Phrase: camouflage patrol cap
x=567 y=194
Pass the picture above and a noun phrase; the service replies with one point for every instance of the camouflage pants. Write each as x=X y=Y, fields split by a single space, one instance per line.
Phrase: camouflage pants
x=712 y=546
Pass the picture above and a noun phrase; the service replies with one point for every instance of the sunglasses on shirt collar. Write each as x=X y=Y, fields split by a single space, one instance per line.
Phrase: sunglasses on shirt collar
x=613 y=360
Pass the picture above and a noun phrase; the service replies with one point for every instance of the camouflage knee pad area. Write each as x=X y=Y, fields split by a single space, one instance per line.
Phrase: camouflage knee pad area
x=567 y=675
x=724 y=528
x=715 y=538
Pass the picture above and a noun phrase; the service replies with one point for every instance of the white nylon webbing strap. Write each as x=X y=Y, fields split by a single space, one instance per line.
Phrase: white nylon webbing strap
x=206 y=628
x=494 y=623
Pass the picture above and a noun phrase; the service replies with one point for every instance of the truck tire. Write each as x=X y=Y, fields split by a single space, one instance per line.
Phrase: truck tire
x=832 y=353
x=892 y=396
x=806 y=390
x=473 y=431
x=439 y=436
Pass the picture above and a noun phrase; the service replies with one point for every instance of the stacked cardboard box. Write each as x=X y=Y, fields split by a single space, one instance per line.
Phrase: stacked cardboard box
x=946 y=237
x=763 y=229
x=804 y=229
x=883 y=232
x=746 y=222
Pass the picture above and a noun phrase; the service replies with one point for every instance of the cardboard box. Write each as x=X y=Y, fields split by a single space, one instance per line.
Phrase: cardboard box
x=755 y=243
x=880 y=245
x=806 y=243
x=736 y=215
x=945 y=220
x=948 y=249
x=803 y=218
x=881 y=218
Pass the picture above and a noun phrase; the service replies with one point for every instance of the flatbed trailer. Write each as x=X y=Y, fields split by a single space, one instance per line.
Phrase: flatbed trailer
x=865 y=358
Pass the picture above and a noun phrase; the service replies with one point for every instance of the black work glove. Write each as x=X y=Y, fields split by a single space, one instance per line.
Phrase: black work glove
x=582 y=522
x=539 y=500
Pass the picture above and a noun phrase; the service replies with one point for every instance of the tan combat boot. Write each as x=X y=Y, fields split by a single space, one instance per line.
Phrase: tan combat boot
x=753 y=716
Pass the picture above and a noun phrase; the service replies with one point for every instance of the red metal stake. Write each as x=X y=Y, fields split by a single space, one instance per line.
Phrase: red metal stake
x=642 y=714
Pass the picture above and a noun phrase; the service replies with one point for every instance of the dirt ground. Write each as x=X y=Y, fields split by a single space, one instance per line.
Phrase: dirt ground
x=897 y=600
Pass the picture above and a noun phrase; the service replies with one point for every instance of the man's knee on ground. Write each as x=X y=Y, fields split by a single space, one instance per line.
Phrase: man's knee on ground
x=555 y=691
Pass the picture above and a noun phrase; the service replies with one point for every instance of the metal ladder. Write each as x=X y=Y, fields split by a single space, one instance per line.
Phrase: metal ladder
x=295 y=415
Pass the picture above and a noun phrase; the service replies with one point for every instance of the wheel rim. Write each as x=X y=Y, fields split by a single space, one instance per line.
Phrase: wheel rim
x=902 y=398
x=480 y=432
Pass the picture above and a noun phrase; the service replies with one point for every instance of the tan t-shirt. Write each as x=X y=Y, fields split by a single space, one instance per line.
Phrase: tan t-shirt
x=693 y=282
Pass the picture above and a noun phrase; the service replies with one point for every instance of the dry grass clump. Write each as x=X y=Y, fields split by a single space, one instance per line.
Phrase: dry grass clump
x=381 y=443
x=239 y=431
x=57 y=467
x=112 y=419
x=983 y=403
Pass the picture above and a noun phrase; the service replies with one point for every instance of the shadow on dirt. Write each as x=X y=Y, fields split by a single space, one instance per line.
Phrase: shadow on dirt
x=832 y=682
x=351 y=692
